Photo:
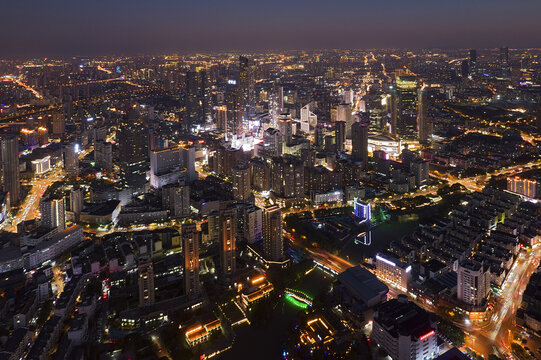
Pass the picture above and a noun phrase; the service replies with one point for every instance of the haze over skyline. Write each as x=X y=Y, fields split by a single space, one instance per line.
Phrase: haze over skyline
x=61 y=27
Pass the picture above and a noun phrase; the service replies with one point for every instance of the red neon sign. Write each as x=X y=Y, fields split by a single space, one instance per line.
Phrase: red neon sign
x=427 y=335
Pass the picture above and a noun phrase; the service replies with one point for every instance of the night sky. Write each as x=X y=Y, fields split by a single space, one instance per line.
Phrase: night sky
x=108 y=27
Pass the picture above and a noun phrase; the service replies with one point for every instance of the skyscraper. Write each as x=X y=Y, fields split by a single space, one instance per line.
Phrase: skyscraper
x=340 y=135
x=241 y=182
x=221 y=118
x=504 y=62
x=343 y=113
x=228 y=250
x=273 y=244
x=76 y=202
x=473 y=283
x=247 y=84
x=190 y=247
x=359 y=138
x=422 y=116
x=70 y=159
x=132 y=137
x=288 y=177
x=192 y=100
x=53 y=212
x=473 y=61
x=176 y=199
x=404 y=107
x=10 y=167
x=145 y=273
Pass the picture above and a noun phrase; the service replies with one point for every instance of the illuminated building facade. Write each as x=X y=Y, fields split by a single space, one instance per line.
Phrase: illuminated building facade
x=228 y=250
x=404 y=330
x=362 y=210
x=529 y=187
x=190 y=247
x=473 y=283
x=273 y=243
x=146 y=282
x=10 y=167
x=393 y=271
x=404 y=108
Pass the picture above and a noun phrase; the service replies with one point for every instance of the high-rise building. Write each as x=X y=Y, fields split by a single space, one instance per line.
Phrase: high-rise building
x=233 y=99
x=404 y=107
x=10 y=167
x=145 y=273
x=393 y=270
x=285 y=125
x=70 y=159
x=308 y=119
x=473 y=283
x=340 y=135
x=423 y=122
x=132 y=137
x=343 y=113
x=228 y=249
x=58 y=124
x=261 y=174
x=359 y=138
x=404 y=330
x=420 y=168
x=53 y=212
x=192 y=99
x=190 y=248
x=273 y=243
x=76 y=201
x=473 y=61
x=247 y=84
x=43 y=136
x=221 y=118
x=504 y=62
x=103 y=155
x=176 y=199
x=272 y=142
x=288 y=177
x=241 y=182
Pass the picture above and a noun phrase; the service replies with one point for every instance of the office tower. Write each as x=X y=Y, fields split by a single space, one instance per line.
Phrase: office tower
x=288 y=177
x=504 y=62
x=464 y=69
x=228 y=250
x=10 y=167
x=473 y=61
x=165 y=167
x=214 y=227
x=233 y=100
x=359 y=138
x=273 y=243
x=70 y=159
x=393 y=270
x=329 y=144
x=145 y=272
x=404 y=107
x=76 y=201
x=190 y=248
x=276 y=104
x=420 y=168
x=253 y=223
x=423 y=122
x=205 y=95
x=272 y=142
x=29 y=138
x=221 y=118
x=58 y=124
x=43 y=136
x=404 y=330
x=247 y=84
x=187 y=161
x=308 y=119
x=241 y=182
x=319 y=137
x=192 y=97
x=340 y=135
x=343 y=113
x=176 y=199
x=53 y=212
x=260 y=174
x=473 y=283
x=132 y=138
x=103 y=155
x=285 y=125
